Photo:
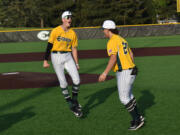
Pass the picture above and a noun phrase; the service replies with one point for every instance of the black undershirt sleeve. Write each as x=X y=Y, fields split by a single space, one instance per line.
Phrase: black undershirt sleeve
x=48 y=51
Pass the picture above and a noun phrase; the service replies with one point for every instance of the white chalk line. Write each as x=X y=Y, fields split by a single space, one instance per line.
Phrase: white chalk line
x=10 y=73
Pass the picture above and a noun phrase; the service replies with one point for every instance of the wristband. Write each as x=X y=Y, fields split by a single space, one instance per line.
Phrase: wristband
x=104 y=74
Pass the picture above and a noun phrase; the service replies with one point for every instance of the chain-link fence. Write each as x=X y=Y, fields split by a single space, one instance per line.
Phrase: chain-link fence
x=93 y=33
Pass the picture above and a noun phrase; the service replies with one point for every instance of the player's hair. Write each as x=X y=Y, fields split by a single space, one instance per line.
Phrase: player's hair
x=115 y=31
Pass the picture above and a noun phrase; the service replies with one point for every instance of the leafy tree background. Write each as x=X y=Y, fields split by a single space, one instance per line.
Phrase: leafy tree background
x=47 y=13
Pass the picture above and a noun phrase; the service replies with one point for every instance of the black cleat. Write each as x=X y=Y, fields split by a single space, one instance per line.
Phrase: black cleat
x=137 y=124
x=77 y=105
x=76 y=112
x=142 y=118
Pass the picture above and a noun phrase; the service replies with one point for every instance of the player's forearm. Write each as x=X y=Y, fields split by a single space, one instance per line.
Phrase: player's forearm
x=75 y=55
x=48 y=51
x=111 y=63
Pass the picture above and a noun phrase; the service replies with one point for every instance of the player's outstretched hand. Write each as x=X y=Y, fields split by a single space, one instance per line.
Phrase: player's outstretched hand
x=102 y=77
x=45 y=64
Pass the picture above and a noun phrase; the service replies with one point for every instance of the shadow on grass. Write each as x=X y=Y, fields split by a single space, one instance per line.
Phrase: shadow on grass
x=145 y=101
x=97 y=98
x=24 y=98
x=8 y=120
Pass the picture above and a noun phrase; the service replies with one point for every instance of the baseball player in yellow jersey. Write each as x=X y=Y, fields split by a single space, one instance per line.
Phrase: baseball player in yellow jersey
x=122 y=62
x=62 y=45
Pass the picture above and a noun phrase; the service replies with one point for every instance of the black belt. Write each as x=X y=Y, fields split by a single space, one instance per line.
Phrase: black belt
x=60 y=52
x=125 y=69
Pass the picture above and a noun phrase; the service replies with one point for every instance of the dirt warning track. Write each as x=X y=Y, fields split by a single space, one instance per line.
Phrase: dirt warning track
x=89 y=54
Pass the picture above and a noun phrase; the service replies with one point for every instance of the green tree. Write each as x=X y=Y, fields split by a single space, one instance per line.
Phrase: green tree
x=143 y=13
x=12 y=13
x=123 y=11
x=24 y=13
x=32 y=16
x=47 y=13
x=165 y=9
x=92 y=13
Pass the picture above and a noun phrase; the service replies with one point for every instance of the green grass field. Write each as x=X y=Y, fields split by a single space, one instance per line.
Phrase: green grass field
x=92 y=44
x=43 y=111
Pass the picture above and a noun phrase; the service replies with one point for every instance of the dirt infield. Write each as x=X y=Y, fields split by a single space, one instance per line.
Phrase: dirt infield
x=21 y=80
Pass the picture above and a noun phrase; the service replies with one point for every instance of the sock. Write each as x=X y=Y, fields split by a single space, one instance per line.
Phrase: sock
x=135 y=107
x=132 y=109
x=67 y=97
x=75 y=89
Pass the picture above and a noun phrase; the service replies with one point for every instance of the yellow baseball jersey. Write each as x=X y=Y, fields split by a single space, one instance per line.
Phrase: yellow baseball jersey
x=119 y=46
x=61 y=40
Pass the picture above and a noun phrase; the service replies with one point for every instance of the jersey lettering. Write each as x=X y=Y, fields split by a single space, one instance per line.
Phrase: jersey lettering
x=124 y=47
x=59 y=38
x=119 y=47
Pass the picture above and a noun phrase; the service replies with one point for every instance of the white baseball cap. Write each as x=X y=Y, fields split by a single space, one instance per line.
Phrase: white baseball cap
x=66 y=13
x=109 y=24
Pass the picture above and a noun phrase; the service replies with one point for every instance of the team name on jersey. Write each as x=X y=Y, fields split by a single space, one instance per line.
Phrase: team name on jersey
x=59 y=38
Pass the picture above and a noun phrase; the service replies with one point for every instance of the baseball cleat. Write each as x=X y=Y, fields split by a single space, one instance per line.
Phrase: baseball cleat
x=137 y=124
x=142 y=118
x=76 y=112
x=77 y=105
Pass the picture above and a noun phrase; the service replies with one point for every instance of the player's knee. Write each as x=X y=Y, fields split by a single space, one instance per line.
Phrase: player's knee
x=76 y=81
x=63 y=85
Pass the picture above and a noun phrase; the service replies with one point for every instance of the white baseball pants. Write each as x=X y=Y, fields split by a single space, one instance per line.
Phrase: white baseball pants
x=65 y=61
x=124 y=82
